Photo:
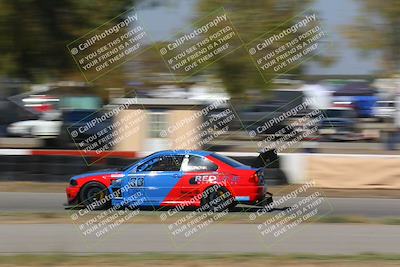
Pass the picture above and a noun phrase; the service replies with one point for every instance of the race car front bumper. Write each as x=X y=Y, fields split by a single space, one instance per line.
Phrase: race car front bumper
x=72 y=195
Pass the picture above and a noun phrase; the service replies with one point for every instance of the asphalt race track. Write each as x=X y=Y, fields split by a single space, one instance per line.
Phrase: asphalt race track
x=312 y=238
x=53 y=202
x=223 y=238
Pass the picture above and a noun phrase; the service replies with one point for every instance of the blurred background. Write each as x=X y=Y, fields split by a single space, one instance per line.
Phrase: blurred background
x=354 y=80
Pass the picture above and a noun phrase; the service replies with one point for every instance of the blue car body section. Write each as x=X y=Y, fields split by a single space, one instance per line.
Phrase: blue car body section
x=158 y=186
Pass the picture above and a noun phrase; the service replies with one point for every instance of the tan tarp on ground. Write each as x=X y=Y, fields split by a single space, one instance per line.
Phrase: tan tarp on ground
x=354 y=172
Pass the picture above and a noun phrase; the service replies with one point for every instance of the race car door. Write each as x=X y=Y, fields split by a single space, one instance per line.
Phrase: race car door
x=161 y=175
x=199 y=172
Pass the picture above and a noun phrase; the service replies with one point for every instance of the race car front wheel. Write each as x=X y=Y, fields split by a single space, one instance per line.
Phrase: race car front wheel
x=94 y=196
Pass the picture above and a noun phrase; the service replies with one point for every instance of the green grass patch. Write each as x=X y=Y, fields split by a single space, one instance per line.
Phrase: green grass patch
x=344 y=219
x=391 y=221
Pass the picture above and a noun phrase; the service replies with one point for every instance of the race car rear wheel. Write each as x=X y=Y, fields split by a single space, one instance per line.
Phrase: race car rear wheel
x=94 y=196
x=218 y=200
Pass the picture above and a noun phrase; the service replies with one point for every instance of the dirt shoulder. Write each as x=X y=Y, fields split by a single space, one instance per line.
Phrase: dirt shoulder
x=339 y=192
x=239 y=260
x=35 y=187
x=153 y=217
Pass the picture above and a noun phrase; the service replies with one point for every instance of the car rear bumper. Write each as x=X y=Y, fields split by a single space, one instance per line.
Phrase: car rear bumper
x=264 y=199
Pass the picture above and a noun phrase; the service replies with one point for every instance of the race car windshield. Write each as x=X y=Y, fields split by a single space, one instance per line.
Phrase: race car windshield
x=127 y=167
x=227 y=160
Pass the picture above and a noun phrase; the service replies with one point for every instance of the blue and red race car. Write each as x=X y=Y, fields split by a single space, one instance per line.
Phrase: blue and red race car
x=172 y=178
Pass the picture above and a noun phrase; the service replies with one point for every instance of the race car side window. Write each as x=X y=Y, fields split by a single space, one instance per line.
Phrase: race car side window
x=163 y=163
x=198 y=164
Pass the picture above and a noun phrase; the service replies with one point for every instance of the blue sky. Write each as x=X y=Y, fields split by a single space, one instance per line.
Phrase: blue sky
x=335 y=14
x=168 y=19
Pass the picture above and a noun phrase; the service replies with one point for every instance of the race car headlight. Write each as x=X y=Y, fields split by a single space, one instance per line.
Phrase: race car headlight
x=73 y=182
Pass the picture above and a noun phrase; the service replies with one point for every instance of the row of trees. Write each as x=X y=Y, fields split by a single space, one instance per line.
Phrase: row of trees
x=34 y=34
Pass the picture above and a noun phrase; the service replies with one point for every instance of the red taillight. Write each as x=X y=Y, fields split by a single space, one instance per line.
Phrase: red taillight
x=254 y=178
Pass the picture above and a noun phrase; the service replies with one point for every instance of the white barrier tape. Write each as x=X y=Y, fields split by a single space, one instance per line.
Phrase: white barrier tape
x=15 y=152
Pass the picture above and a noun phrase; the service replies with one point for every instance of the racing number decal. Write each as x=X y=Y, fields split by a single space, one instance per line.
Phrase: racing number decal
x=136 y=182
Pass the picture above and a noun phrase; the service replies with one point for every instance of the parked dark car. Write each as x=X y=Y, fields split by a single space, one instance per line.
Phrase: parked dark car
x=264 y=117
x=79 y=121
x=339 y=125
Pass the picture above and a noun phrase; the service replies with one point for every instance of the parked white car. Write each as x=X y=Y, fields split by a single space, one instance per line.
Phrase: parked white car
x=48 y=126
x=384 y=109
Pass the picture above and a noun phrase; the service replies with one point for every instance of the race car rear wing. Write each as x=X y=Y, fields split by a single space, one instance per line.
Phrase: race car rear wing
x=267 y=159
x=269 y=163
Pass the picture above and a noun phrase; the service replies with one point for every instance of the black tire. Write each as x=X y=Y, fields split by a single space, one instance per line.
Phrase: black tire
x=269 y=204
x=218 y=199
x=93 y=195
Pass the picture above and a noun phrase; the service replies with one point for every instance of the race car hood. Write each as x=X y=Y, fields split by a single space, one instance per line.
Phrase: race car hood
x=114 y=173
